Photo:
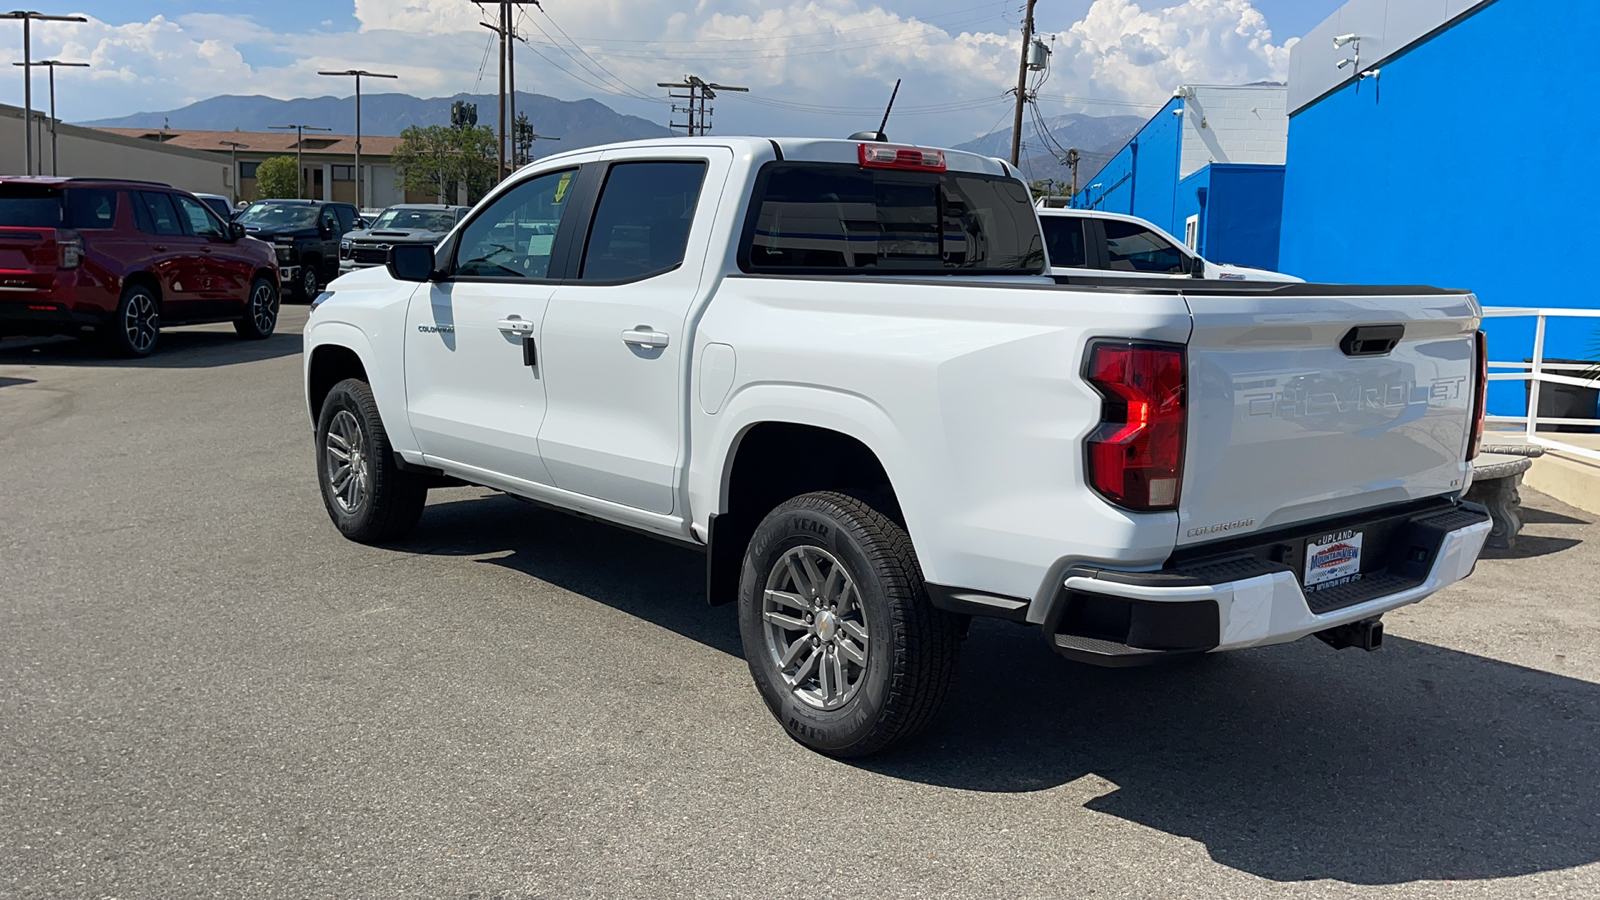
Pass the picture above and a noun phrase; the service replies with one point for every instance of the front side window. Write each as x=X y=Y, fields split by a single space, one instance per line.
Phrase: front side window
x=346 y=216
x=201 y=221
x=841 y=217
x=1134 y=248
x=1063 y=235
x=641 y=224
x=160 y=217
x=513 y=237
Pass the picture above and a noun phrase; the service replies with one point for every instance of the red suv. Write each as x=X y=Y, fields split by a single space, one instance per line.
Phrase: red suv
x=124 y=258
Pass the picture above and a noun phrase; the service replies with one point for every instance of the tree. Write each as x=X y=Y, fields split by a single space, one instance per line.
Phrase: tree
x=440 y=159
x=277 y=178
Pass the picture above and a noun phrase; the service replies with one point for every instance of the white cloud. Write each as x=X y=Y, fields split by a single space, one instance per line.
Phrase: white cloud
x=800 y=55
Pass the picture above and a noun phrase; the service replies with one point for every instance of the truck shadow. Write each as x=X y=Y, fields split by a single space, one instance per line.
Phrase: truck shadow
x=1291 y=763
x=179 y=348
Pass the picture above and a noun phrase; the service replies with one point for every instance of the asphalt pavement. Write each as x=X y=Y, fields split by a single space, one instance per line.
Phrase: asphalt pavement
x=206 y=692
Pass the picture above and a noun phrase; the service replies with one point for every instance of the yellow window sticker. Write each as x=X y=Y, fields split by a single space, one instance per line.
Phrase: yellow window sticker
x=561 y=187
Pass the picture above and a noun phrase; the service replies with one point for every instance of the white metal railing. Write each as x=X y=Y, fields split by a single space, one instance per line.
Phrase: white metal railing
x=1540 y=372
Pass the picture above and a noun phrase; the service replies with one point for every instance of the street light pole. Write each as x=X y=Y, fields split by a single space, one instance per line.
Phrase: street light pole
x=360 y=182
x=233 y=162
x=27 y=70
x=51 y=64
x=299 y=146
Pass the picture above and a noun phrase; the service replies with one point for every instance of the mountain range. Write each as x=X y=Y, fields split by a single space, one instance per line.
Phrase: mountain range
x=585 y=123
x=578 y=123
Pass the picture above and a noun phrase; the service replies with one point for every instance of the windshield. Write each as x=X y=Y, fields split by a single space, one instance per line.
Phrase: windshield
x=422 y=219
x=29 y=206
x=279 y=215
x=826 y=216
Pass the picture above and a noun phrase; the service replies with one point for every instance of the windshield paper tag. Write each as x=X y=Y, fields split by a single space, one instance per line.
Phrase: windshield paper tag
x=1333 y=559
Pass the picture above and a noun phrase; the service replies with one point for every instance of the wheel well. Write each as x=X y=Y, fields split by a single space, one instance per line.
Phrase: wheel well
x=266 y=273
x=775 y=461
x=330 y=364
x=144 y=279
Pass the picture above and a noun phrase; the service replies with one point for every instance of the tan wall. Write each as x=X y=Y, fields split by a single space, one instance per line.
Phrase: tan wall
x=81 y=153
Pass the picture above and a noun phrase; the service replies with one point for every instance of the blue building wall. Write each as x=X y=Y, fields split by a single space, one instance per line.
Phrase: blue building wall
x=1239 y=205
x=1142 y=179
x=1468 y=163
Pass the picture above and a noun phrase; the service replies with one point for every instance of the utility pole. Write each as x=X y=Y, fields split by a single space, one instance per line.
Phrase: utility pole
x=233 y=162
x=299 y=142
x=1073 y=157
x=51 y=64
x=698 y=112
x=508 y=62
x=358 y=73
x=28 y=18
x=1022 y=83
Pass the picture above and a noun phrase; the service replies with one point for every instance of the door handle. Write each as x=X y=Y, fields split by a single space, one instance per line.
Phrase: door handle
x=159 y=248
x=515 y=325
x=645 y=336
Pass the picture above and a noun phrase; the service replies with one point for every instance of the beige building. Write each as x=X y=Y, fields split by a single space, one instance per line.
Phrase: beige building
x=91 y=152
x=327 y=166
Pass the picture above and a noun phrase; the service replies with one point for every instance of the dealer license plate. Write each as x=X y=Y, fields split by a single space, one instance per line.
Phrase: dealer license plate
x=1333 y=559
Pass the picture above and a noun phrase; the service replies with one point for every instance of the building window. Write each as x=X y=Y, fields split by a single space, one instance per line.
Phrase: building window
x=248 y=169
x=344 y=173
x=1191 y=233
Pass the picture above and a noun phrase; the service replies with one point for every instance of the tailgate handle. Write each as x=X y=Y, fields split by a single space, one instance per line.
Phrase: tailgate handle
x=1371 y=340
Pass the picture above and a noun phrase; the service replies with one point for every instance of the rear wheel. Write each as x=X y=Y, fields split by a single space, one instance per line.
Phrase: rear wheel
x=135 y=327
x=368 y=496
x=842 y=641
x=260 y=311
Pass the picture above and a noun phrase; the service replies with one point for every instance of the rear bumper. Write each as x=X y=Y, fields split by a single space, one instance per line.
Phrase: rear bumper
x=41 y=312
x=1250 y=594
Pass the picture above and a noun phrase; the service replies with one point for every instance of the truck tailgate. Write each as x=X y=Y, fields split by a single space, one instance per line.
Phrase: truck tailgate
x=1291 y=421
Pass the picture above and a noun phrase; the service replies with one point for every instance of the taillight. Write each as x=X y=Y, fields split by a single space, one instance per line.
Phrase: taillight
x=885 y=156
x=1136 y=455
x=69 y=248
x=1480 y=397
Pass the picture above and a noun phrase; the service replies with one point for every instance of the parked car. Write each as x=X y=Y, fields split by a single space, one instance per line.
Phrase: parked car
x=842 y=370
x=1092 y=242
x=219 y=204
x=405 y=223
x=306 y=236
x=125 y=259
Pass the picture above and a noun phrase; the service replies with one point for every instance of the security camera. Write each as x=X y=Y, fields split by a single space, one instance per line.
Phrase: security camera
x=1177 y=112
x=1343 y=39
x=1343 y=63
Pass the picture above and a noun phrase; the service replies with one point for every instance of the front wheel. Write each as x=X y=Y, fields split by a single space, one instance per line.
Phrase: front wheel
x=369 y=497
x=260 y=312
x=842 y=641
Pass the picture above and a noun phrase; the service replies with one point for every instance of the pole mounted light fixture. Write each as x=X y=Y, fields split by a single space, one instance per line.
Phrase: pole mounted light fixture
x=28 y=18
x=358 y=74
x=52 y=64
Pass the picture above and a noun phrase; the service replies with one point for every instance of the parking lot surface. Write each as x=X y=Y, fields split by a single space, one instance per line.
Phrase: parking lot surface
x=206 y=692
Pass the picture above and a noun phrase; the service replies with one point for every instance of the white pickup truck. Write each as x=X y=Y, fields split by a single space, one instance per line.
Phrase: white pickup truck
x=842 y=369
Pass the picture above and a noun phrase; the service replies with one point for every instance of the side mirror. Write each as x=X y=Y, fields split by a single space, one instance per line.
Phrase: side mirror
x=235 y=231
x=411 y=262
x=1197 y=267
x=325 y=230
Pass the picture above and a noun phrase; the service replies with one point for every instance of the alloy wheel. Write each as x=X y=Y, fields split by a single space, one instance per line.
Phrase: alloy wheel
x=141 y=322
x=264 y=308
x=308 y=284
x=815 y=628
x=346 y=463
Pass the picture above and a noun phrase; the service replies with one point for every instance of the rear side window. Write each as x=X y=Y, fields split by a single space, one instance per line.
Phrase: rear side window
x=1064 y=236
x=159 y=216
x=1133 y=248
x=29 y=206
x=90 y=208
x=840 y=217
x=641 y=224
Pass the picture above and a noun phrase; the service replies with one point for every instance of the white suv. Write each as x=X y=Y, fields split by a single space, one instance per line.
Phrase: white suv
x=1091 y=242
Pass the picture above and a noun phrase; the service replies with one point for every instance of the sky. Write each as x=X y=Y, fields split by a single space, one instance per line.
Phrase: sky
x=814 y=67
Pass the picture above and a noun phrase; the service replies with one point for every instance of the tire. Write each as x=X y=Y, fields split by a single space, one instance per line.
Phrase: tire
x=135 y=328
x=821 y=694
x=371 y=500
x=260 y=311
x=306 y=283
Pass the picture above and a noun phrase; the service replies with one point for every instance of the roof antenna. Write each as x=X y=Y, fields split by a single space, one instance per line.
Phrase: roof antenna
x=879 y=135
